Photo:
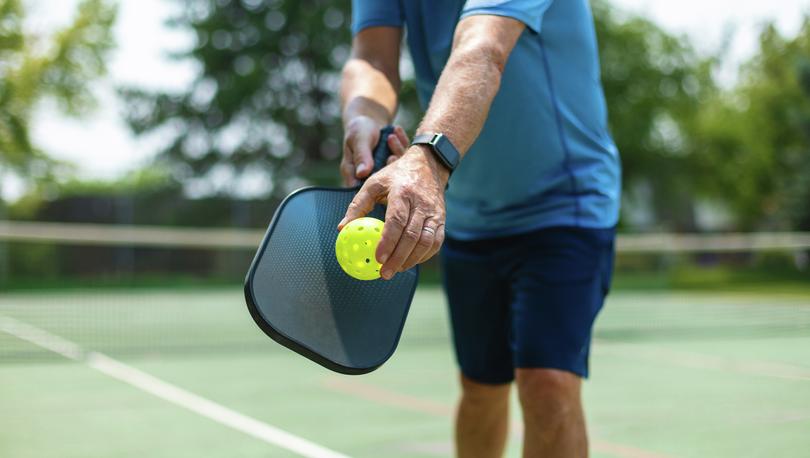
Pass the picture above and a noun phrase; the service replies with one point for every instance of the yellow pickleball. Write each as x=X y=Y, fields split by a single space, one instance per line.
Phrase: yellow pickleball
x=355 y=247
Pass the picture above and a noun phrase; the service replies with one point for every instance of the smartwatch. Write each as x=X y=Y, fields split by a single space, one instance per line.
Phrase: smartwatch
x=442 y=148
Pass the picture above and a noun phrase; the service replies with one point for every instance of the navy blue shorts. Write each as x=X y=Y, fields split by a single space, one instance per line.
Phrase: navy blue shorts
x=526 y=301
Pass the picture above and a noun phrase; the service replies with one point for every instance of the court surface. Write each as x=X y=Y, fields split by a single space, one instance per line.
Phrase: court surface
x=185 y=373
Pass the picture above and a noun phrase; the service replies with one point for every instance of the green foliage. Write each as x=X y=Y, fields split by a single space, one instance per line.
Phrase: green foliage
x=265 y=100
x=143 y=180
x=58 y=67
x=755 y=138
x=149 y=180
x=654 y=85
x=266 y=97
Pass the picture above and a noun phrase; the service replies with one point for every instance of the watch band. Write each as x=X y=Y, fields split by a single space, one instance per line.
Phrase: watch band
x=442 y=148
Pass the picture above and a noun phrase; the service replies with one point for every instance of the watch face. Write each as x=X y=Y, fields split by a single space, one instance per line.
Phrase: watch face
x=440 y=141
x=442 y=147
x=446 y=150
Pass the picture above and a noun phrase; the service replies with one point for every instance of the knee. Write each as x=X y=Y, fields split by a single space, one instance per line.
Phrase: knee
x=482 y=394
x=548 y=395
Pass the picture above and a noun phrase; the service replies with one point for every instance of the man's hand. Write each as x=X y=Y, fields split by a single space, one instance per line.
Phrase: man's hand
x=362 y=135
x=414 y=187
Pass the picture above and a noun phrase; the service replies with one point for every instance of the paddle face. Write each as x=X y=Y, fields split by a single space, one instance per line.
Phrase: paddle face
x=298 y=294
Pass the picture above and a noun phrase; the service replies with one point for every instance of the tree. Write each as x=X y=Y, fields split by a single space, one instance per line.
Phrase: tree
x=265 y=101
x=58 y=67
x=655 y=85
x=755 y=138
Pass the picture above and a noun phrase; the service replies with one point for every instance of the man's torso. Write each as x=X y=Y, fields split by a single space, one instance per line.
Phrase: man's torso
x=544 y=157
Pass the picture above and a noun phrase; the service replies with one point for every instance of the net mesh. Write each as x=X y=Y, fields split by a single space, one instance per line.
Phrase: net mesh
x=140 y=296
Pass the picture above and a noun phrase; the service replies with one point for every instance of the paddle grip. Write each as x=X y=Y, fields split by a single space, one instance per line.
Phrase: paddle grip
x=382 y=151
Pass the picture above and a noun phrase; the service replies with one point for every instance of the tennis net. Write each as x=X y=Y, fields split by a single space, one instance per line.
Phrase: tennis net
x=159 y=291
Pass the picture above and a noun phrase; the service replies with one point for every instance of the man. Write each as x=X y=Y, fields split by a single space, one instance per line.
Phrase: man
x=514 y=92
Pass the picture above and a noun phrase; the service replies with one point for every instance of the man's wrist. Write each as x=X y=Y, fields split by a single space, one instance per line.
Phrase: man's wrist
x=426 y=153
x=363 y=108
x=441 y=146
x=351 y=121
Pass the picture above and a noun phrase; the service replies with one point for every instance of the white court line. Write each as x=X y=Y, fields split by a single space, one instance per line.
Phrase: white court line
x=165 y=390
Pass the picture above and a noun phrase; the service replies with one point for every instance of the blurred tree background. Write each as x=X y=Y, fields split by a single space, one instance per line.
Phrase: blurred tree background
x=262 y=116
x=59 y=68
x=754 y=139
x=265 y=102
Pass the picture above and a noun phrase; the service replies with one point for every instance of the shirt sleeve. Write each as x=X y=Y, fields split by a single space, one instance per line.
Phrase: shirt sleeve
x=376 y=13
x=529 y=12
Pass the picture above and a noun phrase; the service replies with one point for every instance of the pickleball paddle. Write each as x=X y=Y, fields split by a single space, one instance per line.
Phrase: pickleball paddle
x=298 y=294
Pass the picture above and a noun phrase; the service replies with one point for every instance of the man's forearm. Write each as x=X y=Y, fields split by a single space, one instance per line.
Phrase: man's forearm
x=368 y=91
x=470 y=79
x=368 y=95
x=461 y=102
x=413 y=185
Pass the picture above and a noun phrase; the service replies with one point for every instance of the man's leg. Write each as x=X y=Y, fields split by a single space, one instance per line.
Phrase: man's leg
x=478 y=299
x=557 y=292
x=482 y=419
x=552 y=414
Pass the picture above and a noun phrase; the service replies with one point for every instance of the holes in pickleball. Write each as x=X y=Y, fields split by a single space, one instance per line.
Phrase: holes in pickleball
x=377 y=229
x=368 y=260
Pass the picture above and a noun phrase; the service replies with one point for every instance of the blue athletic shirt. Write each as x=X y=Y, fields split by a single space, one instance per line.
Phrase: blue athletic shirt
x=544 y=157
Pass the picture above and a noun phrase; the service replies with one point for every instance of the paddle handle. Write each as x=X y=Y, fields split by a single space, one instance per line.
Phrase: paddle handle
x=382 y=151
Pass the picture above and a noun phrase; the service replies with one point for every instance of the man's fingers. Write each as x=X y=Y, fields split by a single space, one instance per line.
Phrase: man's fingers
x=437 y=245
x=398 y=143
x=347 y=172
x=408 y=241
x=423 y=246
x=397 y=216
x=362 y=203
x=396 y=147
x=402 y=136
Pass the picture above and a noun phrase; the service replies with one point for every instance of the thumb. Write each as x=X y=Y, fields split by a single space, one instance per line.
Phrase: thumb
x=362 y=203
x=361 y=153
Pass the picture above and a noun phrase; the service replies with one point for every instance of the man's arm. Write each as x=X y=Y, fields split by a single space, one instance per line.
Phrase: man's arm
x=414 y=185
x=471 y=78
x=368 y=93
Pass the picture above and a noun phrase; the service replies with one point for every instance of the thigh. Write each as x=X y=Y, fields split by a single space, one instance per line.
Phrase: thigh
x=557 y=290
x=479 y=312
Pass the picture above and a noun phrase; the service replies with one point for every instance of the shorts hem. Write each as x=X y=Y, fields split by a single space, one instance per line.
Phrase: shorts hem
x=581 y=373
x=492 y=380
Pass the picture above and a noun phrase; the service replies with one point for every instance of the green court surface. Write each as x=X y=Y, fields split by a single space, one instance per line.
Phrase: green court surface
x=673 y=375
